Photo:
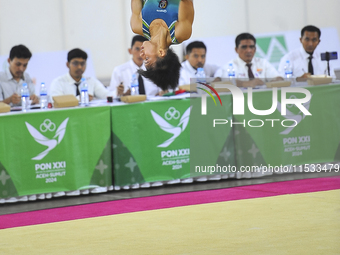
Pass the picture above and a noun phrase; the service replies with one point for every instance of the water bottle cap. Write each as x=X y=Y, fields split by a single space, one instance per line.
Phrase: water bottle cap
x=24 y=84
x=200 y=69
x=287 y=61
x=230 y=64
x=83 y=79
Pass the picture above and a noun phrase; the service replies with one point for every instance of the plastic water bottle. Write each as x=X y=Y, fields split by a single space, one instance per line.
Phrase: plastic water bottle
x=200 y=75
x=134 y=85
x=25 y=97
x=231 y=71
x=43 y=96
x=84 y=93
x=288 y=70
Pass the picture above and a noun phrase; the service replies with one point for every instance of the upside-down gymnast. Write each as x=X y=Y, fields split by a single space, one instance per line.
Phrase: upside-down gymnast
x=163 y=22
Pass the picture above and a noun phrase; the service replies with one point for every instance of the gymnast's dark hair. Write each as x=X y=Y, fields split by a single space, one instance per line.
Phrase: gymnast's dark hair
x=165 y=72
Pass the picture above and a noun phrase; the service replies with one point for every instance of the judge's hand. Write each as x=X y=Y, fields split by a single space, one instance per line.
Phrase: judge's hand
x=127 y=93
x=120 y=90
x=14 y=99
x=35 y=99
x=303 y=77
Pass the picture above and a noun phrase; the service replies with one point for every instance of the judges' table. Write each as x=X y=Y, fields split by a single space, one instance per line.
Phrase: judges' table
x=80 y=148
x=54 y=150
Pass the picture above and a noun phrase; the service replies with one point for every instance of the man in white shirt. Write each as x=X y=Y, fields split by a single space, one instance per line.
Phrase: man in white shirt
x=195 y=58
x=14 y=76
x=122 y=75
x=68 y=84
x=251 y=71
x=305 y=60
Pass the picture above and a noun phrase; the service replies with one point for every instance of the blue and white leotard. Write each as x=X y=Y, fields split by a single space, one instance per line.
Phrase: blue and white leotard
x=160 y=9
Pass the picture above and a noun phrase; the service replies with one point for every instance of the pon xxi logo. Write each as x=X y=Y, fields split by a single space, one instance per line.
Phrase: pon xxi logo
x=47 y=126
x=171 y=114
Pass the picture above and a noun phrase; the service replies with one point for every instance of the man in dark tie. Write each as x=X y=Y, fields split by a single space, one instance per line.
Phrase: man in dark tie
x=122 y=75
x=250 y=71
x=68 y=84
x=305 y=60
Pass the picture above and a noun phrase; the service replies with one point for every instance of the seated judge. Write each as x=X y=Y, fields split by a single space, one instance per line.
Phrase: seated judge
x=14 y=76
x=68 y=84
x=250 y=71
x=195 y=57
x=306 y=60
x=122 y=75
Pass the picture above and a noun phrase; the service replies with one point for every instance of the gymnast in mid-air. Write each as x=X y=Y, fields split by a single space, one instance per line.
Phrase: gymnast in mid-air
x=162 y=22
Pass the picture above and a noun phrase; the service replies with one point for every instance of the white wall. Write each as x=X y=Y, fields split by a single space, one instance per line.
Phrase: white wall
x=102 y=26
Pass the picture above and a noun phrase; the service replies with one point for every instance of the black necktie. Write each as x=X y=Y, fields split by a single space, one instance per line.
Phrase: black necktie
x=77 y=90
x=310 y=65
x=141 y=85
x=250 y=72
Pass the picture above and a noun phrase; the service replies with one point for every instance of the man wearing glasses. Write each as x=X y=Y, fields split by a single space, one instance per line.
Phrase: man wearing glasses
x=305 y=60
x=251 y=71
x=69 y=83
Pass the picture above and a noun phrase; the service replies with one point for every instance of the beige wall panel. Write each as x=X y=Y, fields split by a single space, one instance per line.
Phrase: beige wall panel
x=275 y=15
x=324 y=13
x=35 y=23
x=219 y=17
x=98 y=26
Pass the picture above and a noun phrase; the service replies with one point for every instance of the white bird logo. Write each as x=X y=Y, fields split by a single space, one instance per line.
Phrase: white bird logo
x=50 y=143
x=297 y=117
x=167 y=127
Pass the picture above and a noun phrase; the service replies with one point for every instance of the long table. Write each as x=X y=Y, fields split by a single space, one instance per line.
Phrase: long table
x=125 y=144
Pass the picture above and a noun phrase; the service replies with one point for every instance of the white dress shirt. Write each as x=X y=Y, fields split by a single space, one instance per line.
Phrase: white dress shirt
x=260 y=67
x=298 y=59
x=9 y=86
x=187 y=72
x=123 y=74
x=64 y=85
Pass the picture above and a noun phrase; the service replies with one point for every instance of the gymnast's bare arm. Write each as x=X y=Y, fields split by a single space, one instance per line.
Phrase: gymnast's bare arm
x=183 y=27
x=136 y=17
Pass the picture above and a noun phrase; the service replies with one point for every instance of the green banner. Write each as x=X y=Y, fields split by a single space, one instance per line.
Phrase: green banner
x=294 y=138
x=151 y=141
x=212 y=148
x=59 y=150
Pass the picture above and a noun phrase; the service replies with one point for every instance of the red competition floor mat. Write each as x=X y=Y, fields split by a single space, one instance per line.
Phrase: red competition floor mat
x=167 y=201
